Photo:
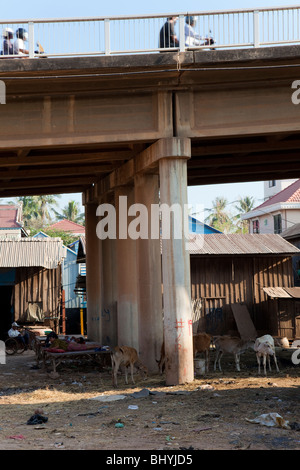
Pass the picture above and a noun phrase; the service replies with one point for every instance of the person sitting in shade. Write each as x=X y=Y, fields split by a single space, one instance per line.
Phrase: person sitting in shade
x=15 y=333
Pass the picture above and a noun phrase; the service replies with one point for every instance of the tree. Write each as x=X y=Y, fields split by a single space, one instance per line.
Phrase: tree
x=44 y=207
x=244 y=205
x=219 y=218
x=29 y=208
x=71 y=212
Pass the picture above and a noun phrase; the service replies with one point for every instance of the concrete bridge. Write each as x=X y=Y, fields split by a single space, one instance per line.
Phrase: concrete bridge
x=146 y=127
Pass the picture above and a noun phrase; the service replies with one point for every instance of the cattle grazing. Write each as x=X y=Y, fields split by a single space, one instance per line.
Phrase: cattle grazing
x=201 y=344
x=127 y=356
x=231 y=345
x=264 y=348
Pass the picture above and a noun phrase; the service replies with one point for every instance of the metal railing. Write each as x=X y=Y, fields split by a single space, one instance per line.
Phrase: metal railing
x=140 y=34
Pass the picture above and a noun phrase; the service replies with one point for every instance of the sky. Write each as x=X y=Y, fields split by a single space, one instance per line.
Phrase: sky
x=35 y=9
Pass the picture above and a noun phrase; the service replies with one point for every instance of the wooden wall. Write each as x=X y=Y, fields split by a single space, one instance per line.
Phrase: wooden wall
x=38 y=285
x=220 y=281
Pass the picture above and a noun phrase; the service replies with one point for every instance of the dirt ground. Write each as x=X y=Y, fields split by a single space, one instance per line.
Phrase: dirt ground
x=208 y=414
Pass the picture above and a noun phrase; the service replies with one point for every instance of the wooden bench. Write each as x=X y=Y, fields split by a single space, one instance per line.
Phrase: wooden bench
x=56 y=357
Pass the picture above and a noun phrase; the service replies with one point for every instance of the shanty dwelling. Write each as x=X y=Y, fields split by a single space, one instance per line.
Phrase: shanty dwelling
x=70 y=319
x=231 y=270
x=30 y=279
x=292 y=235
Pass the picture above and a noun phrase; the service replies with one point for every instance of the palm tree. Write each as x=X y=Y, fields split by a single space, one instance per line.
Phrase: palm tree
x=44 y=206
x=71 y=212
x=219 y=218
x=29 y=208
x=245 y=204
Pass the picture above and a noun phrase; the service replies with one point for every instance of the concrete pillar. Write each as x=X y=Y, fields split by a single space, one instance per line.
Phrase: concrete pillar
x=109 y=320
x=127 y=303
x=149 y=277
x=178 y=333
x=93 y=273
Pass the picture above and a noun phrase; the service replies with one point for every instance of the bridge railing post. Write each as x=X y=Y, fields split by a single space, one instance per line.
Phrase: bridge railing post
x=181 y=34
x=31 y=39
x=256 y=28
x=107 y=36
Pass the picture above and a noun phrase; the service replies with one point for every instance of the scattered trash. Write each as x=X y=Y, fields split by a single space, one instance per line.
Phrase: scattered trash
x=270 y=419
x=119 y=425
x=201 y=429
x=170 y=422
x=37 y=419
x=133 y=407
x=205 y=387
x=18 y=437
x=108 y=397
x=157 y=429
x=59 y=445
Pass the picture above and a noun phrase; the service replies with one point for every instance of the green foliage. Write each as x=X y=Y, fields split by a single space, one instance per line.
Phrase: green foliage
x=66 y=237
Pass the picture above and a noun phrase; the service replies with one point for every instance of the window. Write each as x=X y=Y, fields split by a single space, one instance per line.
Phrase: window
x=272 y=183
x=277 y=223
x=255 y=226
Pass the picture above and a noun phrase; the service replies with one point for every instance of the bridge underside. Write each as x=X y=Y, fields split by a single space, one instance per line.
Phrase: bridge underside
x=68 y=123
x=145 y=127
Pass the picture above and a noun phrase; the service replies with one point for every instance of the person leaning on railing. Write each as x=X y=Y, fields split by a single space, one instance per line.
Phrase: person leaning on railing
x=19 y=44
x=167 y=36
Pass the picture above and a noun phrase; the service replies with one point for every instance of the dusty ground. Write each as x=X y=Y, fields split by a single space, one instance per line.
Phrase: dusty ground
x=208 y=414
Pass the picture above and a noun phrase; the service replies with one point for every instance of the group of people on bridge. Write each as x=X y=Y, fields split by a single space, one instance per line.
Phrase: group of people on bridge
x=17 y=47
x=168 y=38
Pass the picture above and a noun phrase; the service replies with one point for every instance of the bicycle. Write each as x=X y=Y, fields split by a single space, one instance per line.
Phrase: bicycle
x=16 y=346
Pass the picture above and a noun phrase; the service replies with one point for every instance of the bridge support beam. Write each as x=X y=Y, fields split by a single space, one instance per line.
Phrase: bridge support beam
x=149 y=276
x=178 y=333
x=93 y=273
x=126 y=274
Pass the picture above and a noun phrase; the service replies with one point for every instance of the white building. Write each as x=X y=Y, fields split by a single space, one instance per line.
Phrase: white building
x=273 y=187
x=278 y=213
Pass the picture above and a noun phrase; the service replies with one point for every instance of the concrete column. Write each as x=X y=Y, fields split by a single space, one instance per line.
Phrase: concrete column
x=149 y=277
x=127 y=305
x=93 y=273
x=178 y=333
x=109 y=320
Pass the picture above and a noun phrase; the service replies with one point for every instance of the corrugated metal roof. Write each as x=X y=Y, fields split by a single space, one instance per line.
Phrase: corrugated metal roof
x=291 y=232
x=28 y=252
x=240 y=244
x=293 y=291
x=276 y=292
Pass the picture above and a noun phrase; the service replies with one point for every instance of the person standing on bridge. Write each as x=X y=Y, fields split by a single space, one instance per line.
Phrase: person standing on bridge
x=167 y=36
x=19 y=44
x=8 y=35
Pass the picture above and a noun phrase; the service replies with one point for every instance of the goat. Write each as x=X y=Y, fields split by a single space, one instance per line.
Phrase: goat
x=264 y=347
x=128 y=357
x=201 y=344
x=234 y=345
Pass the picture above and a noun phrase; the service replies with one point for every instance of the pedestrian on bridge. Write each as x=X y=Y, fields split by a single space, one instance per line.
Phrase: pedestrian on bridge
x=167 y=36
